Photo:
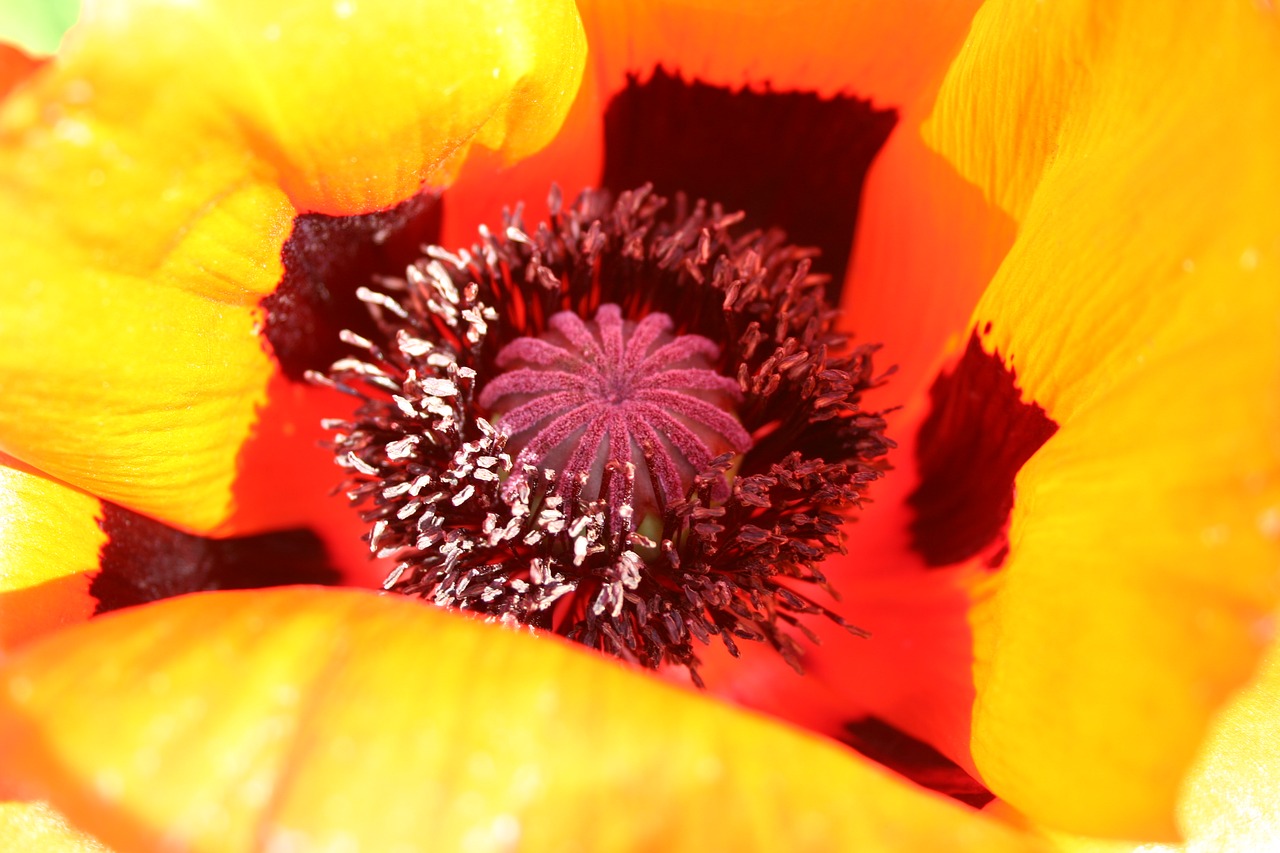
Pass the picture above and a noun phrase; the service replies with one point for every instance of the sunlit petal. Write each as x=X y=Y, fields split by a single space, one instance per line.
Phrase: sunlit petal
x=150 y=199
x=1138 y=306
x=374 y=721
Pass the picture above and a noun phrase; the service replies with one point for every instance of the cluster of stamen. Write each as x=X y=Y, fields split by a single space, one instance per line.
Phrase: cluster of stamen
x=631 y=426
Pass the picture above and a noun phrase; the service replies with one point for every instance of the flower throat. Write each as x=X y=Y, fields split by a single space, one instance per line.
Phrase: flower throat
x=631 y=426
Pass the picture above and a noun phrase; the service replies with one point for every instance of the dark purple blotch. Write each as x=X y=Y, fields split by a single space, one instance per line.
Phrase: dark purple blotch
x=144 y=560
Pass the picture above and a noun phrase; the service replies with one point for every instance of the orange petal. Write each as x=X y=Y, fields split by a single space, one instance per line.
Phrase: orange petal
x=1138 y=305
x=849 y=49
x=829 y=48
x=928 y=244
x=15 y=66
x=52 y=540
x=921 y=225
x=378 y=723
x=36 y=828
x=148 y=200
x=287 y=479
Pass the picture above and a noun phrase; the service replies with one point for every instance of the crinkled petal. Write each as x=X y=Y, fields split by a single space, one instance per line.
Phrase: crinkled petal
x=145 y=197
x=374 y=722
x=1140 y=307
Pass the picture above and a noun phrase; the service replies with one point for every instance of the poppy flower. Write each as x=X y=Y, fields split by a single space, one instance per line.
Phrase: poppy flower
x=1065 y=242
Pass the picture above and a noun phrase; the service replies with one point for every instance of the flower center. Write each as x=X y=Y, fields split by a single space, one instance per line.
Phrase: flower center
x=549 y=421
x=615 y=395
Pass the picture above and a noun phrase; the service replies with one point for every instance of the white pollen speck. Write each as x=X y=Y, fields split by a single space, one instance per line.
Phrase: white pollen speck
x=394 y=576
x=439 y=388
x=497 y=72
x=403 y=448
x=404 y=405
x=379 y=527
x=412 y=346
x=396 y=490
x=373 y=297
x=1249 y=259
x=344 y=8
x=271 y=32
x=349 y=337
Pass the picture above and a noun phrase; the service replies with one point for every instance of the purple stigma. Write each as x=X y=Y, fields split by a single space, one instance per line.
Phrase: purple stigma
x=615 y=396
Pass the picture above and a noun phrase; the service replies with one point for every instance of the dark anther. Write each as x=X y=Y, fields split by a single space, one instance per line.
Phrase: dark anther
x=634 y=426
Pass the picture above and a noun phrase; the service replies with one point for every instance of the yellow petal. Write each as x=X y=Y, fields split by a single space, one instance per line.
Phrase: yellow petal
x=51 y=542
x=350 y=106
x=145 y=197
x=1140 y=306
x=317 y=718
x=1228 y=801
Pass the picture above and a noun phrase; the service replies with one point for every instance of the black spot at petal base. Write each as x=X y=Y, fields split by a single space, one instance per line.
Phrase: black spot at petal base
x=793 y=160
x=144 y=560
x=914 y=759
x=977 y=437
x=326 y=260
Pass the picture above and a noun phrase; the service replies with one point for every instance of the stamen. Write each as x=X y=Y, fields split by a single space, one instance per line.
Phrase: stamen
x=630 y=426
